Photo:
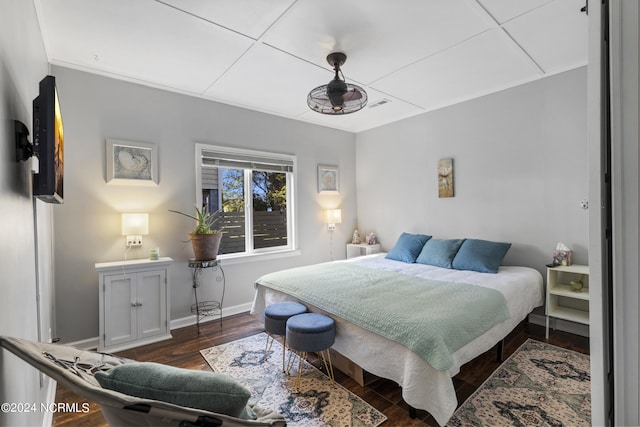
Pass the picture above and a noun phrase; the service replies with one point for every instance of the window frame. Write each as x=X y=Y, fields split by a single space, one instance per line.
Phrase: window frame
x=292 y=242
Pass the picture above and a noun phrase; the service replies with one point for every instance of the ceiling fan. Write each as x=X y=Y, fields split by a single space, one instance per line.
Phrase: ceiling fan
x=337 y=97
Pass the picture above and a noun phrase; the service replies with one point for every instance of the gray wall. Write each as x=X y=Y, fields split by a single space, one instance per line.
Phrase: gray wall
x=520 y=171
x=88 y=224
x=519 y=160
x=23 y=64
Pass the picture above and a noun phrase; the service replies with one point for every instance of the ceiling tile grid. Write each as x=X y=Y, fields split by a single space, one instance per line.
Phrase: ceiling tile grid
x=269 y=79
x=484 y=64
x=143 y=40
x=562 y=45
x=411 y=56
x=249 y=17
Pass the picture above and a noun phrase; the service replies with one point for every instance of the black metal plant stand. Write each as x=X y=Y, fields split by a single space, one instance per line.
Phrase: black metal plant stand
x=204 y=309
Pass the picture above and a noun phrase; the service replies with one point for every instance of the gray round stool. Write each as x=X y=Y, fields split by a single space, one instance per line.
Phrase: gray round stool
x=311 y=332
x=275 y=323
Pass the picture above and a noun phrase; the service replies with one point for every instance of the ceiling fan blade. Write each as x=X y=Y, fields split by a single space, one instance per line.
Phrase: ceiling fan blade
x=352 y=95
x=319 y=97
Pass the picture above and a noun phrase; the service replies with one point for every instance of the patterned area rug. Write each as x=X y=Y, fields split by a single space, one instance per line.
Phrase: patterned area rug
x=539 y=385
x=316 y=403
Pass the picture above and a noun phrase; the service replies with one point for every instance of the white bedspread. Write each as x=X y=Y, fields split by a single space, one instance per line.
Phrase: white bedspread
x=423 y=387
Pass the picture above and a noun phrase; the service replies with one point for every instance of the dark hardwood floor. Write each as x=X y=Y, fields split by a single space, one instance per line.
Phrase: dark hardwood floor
x=183 y=351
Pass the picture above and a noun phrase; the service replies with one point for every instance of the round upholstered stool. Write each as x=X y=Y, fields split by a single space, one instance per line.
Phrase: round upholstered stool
x=311 y=332
x=275 y=323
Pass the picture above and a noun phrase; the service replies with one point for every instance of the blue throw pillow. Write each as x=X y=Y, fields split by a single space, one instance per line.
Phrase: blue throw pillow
x=205 y=390
x=480 y=255
x=407 y=247
x=439 y=253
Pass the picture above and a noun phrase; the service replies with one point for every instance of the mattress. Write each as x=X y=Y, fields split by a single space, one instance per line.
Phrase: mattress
x=424 y=387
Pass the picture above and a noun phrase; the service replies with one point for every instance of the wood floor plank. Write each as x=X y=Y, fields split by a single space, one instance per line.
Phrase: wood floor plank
x=183 y=351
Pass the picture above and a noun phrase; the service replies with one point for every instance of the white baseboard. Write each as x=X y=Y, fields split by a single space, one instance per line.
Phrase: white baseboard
x=559 y=324
x=226 y=311
x=92 y=343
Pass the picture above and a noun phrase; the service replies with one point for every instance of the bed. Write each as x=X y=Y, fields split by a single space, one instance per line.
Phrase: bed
x=423 y=386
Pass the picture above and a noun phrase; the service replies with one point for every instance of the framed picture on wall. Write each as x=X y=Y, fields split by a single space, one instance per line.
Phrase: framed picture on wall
x=131 y=163
x=445 y=178
x=328 y=179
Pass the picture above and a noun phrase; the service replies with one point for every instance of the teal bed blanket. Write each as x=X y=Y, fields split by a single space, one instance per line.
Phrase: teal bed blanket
x=432 y=318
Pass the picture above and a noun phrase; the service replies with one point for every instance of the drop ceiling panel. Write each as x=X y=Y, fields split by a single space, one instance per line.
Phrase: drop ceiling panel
x=250 y=17
x=267 y=55
x=563 y=43
x=504 y=10
x=486 y=63
x=143 y=40
x=280 y=87
x=378 y=36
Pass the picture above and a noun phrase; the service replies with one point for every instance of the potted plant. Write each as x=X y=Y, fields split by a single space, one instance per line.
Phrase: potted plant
x=205 y=237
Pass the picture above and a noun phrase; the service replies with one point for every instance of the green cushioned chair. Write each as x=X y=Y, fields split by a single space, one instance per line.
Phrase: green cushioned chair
x=156 y=404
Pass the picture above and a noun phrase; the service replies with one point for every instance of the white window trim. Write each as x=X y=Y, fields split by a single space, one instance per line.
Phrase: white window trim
x=292 y=230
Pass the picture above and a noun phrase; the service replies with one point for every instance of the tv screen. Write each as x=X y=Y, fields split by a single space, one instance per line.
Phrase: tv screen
x=48 y=143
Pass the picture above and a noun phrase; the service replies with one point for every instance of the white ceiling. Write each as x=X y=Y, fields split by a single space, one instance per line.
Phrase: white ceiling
x=266 y=55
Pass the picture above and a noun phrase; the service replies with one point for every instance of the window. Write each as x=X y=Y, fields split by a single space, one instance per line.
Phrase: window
x=252 y=191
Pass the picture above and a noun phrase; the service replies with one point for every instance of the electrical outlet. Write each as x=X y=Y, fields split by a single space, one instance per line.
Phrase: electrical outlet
x=584 y=204
x=134 y=240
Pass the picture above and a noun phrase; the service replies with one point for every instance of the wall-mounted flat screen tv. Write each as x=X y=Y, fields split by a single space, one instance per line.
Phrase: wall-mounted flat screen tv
x=48 y=143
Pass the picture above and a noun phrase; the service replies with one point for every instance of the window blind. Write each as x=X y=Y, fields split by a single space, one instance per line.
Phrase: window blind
x=212 y=158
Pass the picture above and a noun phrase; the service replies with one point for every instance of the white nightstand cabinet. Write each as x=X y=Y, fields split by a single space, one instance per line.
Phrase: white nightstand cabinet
x=359 y=249
x=562 y=302
x=134 y=303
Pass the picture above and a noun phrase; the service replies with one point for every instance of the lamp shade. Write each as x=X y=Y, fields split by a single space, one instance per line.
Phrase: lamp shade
x=135 y=224
x=333 y=216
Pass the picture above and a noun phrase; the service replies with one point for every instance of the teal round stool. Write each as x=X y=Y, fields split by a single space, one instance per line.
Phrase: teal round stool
x=311 y=332
x=275 y=323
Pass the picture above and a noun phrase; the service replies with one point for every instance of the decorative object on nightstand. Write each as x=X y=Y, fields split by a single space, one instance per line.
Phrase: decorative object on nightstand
x=204 y=309
x=562 y=255
x=360 y=249
x=567 y=294
x=577 y=285
x=133 y=303
x=371 y=239
x=355 y=239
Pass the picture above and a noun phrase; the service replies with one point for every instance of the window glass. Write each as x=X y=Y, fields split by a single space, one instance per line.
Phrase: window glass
x=269 y=191
x=253 y=194
x=232 y=210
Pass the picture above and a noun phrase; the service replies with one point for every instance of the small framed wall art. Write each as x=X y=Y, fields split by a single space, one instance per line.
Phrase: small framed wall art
x=328 y=179
x=131 y=163
x=445 y=178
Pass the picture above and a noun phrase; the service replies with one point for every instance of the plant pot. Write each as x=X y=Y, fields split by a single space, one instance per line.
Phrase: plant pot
x=205 y=246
